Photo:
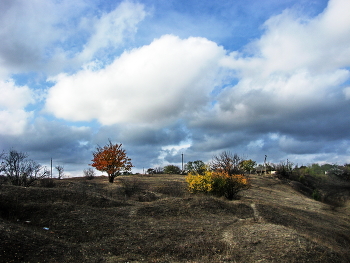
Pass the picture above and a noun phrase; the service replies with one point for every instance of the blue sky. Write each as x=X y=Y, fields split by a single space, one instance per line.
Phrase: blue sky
x=170 y=77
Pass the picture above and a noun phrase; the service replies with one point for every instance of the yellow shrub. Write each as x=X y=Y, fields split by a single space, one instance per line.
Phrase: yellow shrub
x=199 y=183
x=218 y=182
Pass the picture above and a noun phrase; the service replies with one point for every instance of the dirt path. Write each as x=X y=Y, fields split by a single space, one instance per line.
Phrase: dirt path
x=283 y=224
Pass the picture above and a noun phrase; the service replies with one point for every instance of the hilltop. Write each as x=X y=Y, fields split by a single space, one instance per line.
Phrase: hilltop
x=154 y=219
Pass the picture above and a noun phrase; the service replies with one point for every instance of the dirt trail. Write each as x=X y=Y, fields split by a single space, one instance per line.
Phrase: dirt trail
x=257 y=216
x=283 y=225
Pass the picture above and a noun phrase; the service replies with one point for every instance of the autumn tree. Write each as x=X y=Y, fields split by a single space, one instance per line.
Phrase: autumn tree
x=111 y=159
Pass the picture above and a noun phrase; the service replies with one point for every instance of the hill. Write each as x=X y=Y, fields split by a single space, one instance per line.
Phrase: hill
x=154 y=219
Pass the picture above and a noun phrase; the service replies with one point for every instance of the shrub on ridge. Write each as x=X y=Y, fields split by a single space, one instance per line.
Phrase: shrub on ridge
x=219 y=183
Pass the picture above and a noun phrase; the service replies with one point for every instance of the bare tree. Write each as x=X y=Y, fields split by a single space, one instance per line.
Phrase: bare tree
x=19 y=170
x=227 y=162
x=89 y=173
x=158 y=170
x=60 y=170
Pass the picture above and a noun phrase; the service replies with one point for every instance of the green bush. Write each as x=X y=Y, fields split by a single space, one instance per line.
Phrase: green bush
x=172 y=169
x=284 y=169
x=198 y=167
x=316 y=195
x=229 y=185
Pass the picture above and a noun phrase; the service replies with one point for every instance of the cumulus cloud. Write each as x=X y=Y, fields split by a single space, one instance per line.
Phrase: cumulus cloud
x=58 y=35
x=13 y=100
x=292 y=42
x=153 y=84
x=289 y=84
x=27 y=28
x=110 y=30
x=295 y=69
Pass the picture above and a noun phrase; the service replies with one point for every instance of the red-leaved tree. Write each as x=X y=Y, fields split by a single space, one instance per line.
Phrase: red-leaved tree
x=111 y=159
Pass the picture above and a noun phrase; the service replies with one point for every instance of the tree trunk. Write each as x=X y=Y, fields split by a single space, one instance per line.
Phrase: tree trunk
x=111 y=178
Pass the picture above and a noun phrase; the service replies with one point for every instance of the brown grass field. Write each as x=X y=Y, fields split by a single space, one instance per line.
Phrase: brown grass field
x=154 y=219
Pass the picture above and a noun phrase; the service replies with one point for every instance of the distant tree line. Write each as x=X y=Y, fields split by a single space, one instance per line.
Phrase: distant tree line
x=289 y=170
x=232 y=163
x=18 y=169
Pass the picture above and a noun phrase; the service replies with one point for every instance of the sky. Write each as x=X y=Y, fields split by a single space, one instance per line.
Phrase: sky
x=173 y=77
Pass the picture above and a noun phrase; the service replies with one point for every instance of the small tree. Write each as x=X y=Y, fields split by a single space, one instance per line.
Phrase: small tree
x=111 y=159
x=285 y=169
x=20 y=170
x=150 y=171
x=247 y=165
x=89 y=173
x=226 y=162
x=60 y=170
x=172 y=169
x=198 y=167
x=159 y=170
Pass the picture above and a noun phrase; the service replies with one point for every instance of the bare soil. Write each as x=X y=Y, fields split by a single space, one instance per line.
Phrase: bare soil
x=154 y=219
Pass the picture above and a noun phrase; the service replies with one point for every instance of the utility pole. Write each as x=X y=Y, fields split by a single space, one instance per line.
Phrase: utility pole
x=51 y=167
x=182 y=156
x=265 y=163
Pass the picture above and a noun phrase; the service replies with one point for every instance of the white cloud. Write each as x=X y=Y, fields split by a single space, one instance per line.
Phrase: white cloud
x=297 y=65
x=112 y=28
x=57 y=35
x=152 y=84
x=27 y=28
x=13 y=122
x=13 y=99
x=291 y=43
x=277 y=95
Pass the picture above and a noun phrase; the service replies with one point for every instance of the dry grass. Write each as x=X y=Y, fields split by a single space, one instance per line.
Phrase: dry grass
x=158 y=221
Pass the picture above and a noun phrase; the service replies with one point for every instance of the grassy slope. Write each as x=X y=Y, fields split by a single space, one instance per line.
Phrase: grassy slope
x=94 y=221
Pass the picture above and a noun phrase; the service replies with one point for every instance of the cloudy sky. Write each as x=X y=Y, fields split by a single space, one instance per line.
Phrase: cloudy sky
x=166 y=77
